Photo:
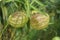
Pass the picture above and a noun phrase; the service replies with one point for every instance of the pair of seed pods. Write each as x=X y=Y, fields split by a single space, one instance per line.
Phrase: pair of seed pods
x=37 y=20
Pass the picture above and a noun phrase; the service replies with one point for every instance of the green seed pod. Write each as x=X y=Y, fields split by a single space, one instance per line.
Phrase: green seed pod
x=18 y=19
x=56 y=38
x=38 y=20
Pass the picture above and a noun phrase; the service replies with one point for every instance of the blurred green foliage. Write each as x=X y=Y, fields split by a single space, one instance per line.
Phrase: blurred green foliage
x=7 y=7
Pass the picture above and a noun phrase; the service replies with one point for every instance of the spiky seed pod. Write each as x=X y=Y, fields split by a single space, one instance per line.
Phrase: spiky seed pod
x=38 y=20
x=18 y=19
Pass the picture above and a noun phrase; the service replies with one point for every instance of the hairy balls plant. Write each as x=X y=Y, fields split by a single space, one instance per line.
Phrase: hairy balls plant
x=18 y=19
x=38 y=20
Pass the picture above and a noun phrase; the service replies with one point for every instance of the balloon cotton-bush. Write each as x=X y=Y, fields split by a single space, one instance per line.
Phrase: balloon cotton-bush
x=56 y=38
x=38 y=20
x=18 y=19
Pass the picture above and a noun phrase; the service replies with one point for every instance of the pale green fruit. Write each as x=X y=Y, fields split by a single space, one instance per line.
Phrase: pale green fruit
x=38 y=20
x=56 y=38
x=18 y=19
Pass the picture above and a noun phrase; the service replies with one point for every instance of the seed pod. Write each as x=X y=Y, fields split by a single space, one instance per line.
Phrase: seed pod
x=38 y=20
x=18 y=19
x=56 y=38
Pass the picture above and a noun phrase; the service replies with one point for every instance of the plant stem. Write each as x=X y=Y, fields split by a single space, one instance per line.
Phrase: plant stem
x=3 y=30
x=4 y=11
x=12 y=34
x=27 y=7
